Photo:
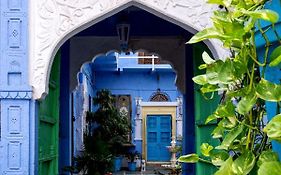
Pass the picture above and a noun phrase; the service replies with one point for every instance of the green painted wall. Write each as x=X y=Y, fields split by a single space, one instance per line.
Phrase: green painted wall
x=49 y=124
x=203 y=108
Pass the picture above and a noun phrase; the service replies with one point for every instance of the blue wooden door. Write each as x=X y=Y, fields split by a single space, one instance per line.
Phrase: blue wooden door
x=159 y=133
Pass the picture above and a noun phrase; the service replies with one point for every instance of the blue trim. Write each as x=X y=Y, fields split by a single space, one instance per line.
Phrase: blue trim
x=65 y=128
x=34 y=123
x=189 y=117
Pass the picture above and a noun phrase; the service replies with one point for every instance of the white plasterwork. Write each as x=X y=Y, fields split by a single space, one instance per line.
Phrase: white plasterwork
x=52 y=22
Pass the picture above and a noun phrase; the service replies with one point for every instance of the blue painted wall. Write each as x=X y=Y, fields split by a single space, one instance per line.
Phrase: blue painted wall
x=271 y=74
x=17 y=108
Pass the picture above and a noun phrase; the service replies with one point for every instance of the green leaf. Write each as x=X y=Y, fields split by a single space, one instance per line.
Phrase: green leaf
x=200 y=79
x=205 y=34
x=210 y=118
x=230 y=137
x=268 y=91
x=231 y=29
x=220 y=72
x=205 y=149
x=276 y=61
x=244 y=163
x=226 y=3
x=210 y=88
x=240 y=67
x=190 y=158
x=226 y=169
x=246 y=103
x=275 y=57
x=225 y=110
x=218 y=157
x=264 y=14
x=229 y=122
x=212 y=72
x=270 y=168
x=226 y=72
x=202 y=66
x=273 y=128
x=207 y=59
x=267 y=156
x=221 y=16
x=218 y=132
x=219 y=2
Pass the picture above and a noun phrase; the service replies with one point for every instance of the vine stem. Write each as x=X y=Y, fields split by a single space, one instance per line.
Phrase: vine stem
x=267 y=45
x=249 y=126
x=248 y=143
x=205 y=161
x=252 y=78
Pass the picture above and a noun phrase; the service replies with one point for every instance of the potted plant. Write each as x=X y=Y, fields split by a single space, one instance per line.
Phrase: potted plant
x=118 y=152
x=106 y=129
x=132 y=157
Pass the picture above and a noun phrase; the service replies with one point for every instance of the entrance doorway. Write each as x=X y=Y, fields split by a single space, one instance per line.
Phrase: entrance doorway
x=159 y=133
x=161 y=37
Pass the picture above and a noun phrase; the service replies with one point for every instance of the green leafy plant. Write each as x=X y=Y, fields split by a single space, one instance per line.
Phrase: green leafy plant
x=107 y=130
x=244 y=137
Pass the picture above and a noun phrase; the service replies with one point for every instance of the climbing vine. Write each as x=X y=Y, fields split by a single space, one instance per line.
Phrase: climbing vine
x=245 y=137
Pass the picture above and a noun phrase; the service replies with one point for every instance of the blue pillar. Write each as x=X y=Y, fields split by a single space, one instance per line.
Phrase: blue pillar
x=189 y=115
x=17 y=107
x=271 y=74
x=65 y=129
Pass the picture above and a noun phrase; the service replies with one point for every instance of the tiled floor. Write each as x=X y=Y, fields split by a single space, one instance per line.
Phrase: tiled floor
x=153 y=169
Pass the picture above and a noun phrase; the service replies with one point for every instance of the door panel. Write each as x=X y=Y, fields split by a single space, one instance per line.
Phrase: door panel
x=49 y=124
x=158 y=137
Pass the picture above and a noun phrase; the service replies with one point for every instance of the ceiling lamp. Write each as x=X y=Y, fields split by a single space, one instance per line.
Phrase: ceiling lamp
x=123 y=31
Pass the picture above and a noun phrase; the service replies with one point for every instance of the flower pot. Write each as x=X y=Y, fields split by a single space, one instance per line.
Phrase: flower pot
x=132 y=166
x=117 y=163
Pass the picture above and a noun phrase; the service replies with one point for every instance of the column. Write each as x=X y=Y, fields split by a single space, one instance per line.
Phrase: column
x=15 y=93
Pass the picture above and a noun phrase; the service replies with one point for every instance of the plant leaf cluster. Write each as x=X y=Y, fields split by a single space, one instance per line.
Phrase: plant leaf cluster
x=106 y=131
x=245 y=146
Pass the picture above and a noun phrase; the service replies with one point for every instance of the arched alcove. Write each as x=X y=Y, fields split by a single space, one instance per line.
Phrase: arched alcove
x=53 y=22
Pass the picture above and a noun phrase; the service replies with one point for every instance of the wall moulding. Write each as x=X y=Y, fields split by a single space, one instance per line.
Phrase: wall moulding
x=52 y=22
x=15 y=95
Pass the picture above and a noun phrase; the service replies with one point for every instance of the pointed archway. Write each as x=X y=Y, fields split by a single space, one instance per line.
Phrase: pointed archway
x=53 y=22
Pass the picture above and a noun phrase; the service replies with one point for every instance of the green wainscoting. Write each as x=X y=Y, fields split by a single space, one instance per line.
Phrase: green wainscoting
x=203 y=108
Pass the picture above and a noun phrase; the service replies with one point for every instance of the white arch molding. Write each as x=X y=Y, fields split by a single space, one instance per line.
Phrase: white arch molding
x=52 y=22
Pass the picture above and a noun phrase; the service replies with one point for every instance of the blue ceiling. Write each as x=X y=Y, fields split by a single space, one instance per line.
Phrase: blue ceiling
x=142 y=23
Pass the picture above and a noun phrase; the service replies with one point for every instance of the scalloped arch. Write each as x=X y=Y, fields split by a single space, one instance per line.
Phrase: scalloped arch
x=52 y=22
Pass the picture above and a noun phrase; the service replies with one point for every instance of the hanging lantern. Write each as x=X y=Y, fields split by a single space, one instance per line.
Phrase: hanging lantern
x=123 y=31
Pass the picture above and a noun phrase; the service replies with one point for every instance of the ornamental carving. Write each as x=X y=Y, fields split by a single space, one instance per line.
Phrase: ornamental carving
x=54 y=21
x=15 y=94
x=159 y=97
